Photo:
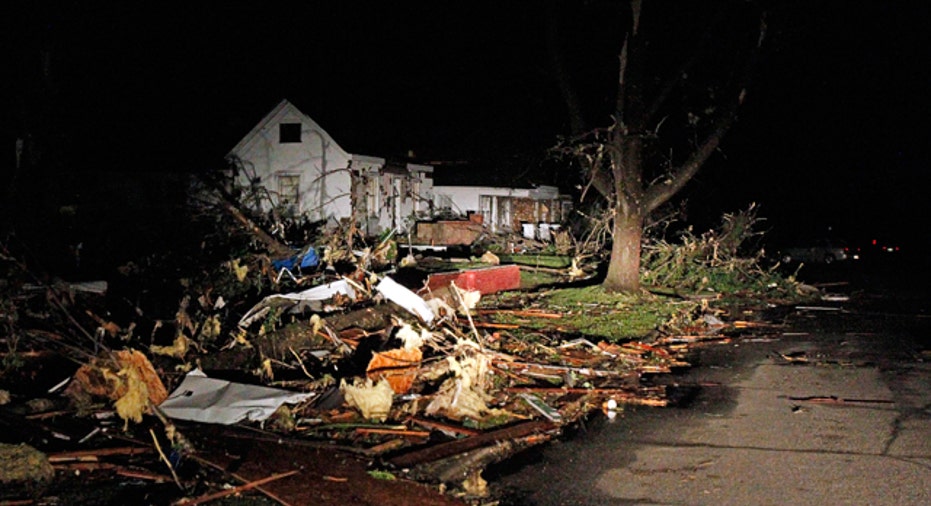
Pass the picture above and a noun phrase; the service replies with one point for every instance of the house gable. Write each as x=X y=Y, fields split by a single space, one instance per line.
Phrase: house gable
x=268 y=129
x=297 y=164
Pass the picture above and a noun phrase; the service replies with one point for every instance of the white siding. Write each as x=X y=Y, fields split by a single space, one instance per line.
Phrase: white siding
x=321 y=164
x=465 y=199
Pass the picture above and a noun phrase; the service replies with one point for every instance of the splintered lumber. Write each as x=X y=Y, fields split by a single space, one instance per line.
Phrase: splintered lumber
x=488 y=325
x=373 y=319
x=543 y=408
x=643 y=397
x=47 y=414
x=92 y=455
x=445 y=427
x=659 y=369
x=139 y=475
x=459 y=446
x=531 y=368
x=235 y=490
x=741 y=324
x=394 y=432
x=830 y=399
x=531 y=313
x=387 y=446
x=693 y=338
x=257 y=486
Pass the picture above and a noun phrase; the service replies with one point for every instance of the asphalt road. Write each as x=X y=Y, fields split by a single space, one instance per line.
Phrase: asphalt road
x=832 y=407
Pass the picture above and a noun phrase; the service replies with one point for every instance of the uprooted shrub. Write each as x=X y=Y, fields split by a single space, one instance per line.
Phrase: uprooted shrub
x=723 y=260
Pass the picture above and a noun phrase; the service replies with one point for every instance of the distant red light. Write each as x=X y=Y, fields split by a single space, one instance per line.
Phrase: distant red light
x=874 y=242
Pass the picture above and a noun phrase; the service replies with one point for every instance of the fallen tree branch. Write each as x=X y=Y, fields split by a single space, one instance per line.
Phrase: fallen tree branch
x=235 y=490
x=458 y=468
x=443 y=450
x=229 y=204
x=158 y=447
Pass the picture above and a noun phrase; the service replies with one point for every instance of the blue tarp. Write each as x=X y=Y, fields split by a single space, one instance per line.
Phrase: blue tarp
x=308 y=259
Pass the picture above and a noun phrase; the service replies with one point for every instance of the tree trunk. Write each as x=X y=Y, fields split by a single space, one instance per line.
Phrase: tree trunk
x=624 y=267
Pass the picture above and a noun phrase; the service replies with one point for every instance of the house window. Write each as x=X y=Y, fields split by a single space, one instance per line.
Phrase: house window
x=289 y=190
x=486 y=209
x=289 y=133
x=504 y=214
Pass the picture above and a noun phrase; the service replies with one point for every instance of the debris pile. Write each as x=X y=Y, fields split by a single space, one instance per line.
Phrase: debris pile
x=432 y=378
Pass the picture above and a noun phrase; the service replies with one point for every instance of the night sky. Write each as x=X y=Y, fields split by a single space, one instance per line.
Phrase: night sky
x=834 y=131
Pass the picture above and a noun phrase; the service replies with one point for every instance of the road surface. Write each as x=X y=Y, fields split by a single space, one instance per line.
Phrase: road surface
x=834 y=407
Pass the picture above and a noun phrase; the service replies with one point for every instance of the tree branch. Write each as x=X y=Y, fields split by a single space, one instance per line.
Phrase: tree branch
x=577 y=123
x=628 y=95
x=659 y=193
x=677 y=77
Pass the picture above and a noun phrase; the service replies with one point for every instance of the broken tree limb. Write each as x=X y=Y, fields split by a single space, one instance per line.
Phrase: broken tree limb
x=443 y=450
x=230 y=205
x=457 y=468
x=158 y=447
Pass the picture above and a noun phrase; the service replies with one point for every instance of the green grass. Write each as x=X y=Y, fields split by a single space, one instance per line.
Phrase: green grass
x=593 y=313
x=531 y=279
x=549 y=261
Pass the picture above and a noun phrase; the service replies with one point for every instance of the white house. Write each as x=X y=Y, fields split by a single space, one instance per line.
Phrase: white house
x=299 y=169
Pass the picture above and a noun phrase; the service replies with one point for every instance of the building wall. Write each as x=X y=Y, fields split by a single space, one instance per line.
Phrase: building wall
x=320 y=165
x=395 y=199
x=503 y=209
x=466 y=199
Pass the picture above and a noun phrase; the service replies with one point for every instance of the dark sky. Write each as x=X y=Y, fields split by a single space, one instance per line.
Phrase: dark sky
x=833 y=133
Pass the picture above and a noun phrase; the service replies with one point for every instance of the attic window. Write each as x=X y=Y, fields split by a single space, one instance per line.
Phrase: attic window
x=289 y=133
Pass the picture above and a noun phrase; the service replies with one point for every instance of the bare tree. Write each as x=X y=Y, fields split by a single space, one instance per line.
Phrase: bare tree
x=625 y=162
